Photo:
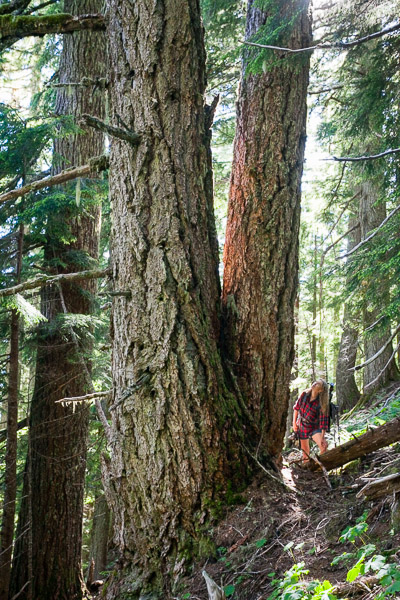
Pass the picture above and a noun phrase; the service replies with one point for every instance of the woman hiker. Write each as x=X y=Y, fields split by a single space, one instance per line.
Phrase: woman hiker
x=311 y=417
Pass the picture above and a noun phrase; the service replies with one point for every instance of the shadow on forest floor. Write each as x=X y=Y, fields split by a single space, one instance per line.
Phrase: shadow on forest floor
x=273 y=529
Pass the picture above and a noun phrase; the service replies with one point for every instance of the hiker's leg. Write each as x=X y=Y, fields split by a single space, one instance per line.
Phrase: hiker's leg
x=321 y=442
x=305 y=446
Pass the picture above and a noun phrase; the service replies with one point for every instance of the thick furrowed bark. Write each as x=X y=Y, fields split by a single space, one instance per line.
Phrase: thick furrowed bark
x=360 y=446
x=173 y=418
x=261 y=249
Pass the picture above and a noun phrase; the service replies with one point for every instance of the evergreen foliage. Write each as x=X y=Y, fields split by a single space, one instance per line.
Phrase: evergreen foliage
x=358 y=114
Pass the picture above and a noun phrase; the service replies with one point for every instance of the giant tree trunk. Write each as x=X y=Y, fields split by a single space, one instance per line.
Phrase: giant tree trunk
x=347 y=392
x=380 y=371
x=174 y=426
x=48 y=553
x=261 y=249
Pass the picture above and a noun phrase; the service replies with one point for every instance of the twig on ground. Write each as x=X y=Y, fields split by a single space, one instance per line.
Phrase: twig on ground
x=269 y=474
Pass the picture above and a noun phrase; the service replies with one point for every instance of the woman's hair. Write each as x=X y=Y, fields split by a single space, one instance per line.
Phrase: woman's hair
x=324 y=396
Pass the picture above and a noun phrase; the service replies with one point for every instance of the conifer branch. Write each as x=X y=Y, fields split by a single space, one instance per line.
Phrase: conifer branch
x=43 y=280
x=116 y=132
x=95 y=165
x=367 y=239
x=17 y=27
x=332 y=45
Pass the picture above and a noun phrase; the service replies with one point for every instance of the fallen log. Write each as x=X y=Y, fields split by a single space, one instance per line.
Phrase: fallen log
x=359 y=585
x=374 y=439
x=384 y=486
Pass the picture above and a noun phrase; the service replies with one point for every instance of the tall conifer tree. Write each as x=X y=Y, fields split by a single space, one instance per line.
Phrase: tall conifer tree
x=47 y=562
x=261 y=249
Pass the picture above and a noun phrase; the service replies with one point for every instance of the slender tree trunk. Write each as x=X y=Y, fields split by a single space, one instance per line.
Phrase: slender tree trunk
x=314 y=314
x=10 y=476
x=380 y=371
x=347 y=392
x=176 y=439
x=100 y=536
x=336 y=335
x=261 y=249
x=48 y=555
x=313 y=344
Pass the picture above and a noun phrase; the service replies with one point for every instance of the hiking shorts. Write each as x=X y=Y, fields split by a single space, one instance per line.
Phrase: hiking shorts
x=305 y=436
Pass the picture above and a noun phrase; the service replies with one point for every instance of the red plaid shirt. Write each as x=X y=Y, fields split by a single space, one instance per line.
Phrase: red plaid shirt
x=312 y=418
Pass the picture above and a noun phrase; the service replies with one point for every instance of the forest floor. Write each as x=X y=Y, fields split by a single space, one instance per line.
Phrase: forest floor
x=274 y=528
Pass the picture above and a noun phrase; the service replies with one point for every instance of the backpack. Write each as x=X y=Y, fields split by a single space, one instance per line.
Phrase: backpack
x=334 y=412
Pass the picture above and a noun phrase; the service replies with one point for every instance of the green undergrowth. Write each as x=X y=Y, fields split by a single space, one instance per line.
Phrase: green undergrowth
x=355 y=544
x=365 y=560
x=359 y=421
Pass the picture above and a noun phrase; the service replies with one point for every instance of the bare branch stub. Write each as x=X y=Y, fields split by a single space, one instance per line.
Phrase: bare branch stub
x=123 y=134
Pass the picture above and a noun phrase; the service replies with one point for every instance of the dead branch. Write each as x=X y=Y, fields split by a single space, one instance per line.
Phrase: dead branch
x=95 y=165
x=335 y=45
x=384 y=486
x=380 y=351
x=384 y=368
x=328 y=248
x=17 y=27
x=116 y=132
x=324 y=471
x=344 y=208
x=372 y=440
x=268 y=473
x=390 y=215
x=43 y=280
x=85 y=397
x=6 y=9
x=358 y=158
